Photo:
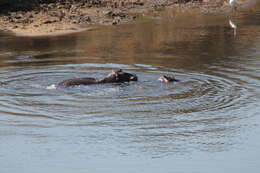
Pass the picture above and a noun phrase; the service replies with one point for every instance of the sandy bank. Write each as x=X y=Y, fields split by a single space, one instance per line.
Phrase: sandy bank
x=52 y=17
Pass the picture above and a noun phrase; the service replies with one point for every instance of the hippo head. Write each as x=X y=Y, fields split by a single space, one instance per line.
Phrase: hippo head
x=167 y=79
x=119 y=76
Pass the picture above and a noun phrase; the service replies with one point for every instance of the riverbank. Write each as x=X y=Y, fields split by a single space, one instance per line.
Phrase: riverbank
x=46 y=17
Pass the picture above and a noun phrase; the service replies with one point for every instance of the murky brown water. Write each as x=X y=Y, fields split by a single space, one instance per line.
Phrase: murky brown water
x=207 y=122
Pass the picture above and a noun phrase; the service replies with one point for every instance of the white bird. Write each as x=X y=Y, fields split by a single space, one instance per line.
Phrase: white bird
x=234 y=26
x=231 y=2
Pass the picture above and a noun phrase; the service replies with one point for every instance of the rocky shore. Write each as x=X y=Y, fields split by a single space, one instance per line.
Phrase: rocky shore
x=44 y=17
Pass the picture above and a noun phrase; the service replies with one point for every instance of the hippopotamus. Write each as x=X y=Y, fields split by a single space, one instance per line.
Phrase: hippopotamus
x=167 y=79
x=118 y=76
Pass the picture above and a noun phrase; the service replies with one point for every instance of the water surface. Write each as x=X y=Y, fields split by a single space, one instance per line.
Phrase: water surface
x=207 y=122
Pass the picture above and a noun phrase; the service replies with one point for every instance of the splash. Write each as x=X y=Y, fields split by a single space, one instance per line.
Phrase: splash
x=51 y=87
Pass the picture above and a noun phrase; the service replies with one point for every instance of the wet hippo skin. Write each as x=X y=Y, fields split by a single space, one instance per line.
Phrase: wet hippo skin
x=118 y=76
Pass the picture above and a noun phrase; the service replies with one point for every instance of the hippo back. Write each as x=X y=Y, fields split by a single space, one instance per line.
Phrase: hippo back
x=77 y=81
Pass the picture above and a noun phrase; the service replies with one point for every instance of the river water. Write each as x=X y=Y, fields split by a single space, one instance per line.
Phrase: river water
x=207 y=122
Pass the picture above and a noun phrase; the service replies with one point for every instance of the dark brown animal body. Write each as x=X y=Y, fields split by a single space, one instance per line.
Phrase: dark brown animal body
x=114 y=77
x=167 y=79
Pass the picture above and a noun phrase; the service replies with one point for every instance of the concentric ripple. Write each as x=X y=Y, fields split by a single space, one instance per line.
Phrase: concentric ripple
x=195 y=92
x=24 y=93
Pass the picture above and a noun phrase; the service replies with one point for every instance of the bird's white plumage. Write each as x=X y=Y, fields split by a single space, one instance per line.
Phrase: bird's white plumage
x=232 y=25
x=231 y=2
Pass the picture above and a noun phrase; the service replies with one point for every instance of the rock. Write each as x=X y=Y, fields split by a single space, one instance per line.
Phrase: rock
x=50 y=21
x=18 y=17
x=116 y=21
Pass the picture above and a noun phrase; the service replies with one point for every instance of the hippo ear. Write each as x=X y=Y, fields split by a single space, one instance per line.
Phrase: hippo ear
x=117 y=71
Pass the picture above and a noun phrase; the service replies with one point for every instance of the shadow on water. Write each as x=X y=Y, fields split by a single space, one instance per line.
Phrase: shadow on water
x=211 y=109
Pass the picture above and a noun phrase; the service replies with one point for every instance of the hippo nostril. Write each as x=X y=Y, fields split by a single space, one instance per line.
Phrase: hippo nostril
x=133 y=78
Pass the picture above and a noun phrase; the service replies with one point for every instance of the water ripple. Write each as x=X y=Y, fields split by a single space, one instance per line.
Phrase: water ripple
x=25 y=94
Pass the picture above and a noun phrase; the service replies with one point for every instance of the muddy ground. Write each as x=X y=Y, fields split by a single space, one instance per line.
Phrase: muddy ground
x=41 y=17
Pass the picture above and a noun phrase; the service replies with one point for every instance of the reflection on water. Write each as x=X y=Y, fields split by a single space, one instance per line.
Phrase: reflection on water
x=210 y=116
